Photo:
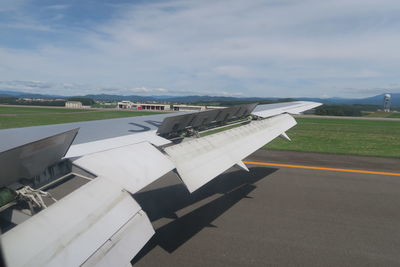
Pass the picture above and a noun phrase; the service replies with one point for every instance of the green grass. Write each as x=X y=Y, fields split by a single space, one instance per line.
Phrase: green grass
x=14 y=117
x=337 y=136
x=381 y=114
x=104 y=106
x=356 y=137
x=394 y=115
x=37 y=110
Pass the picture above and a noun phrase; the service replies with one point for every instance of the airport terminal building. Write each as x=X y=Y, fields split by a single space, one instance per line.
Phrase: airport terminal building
x=162 y=107
x=141 y=106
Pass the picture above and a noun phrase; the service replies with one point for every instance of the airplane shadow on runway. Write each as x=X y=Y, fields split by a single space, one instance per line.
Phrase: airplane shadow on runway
x=164 y=202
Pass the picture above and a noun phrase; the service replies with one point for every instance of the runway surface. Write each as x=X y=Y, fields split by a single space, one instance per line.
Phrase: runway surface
x=281 y=216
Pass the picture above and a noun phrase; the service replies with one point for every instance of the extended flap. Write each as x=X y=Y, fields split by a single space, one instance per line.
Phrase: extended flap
x=200 y=160
x=132 y=167
x=70 y=231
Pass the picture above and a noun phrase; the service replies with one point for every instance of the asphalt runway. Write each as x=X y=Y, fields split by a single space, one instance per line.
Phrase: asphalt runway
x=278 y=216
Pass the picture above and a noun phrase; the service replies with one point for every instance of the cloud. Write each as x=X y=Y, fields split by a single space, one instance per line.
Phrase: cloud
x=40 y=87
x=146 y=90
x=255 y=48
x=233 y=71
x=72 y=89
x=58 y=7
x=26 y=25
x=357 y=92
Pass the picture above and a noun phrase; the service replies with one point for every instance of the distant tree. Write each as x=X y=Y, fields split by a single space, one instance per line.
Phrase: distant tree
x=8 y=100
x=286 y=100
x=45 y=103
x=84 y=100
x=338 y=110
x=364 y=107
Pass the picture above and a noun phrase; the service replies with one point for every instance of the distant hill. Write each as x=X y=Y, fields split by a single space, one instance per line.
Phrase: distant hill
x=374 y=100
x=9 y=93
x=27 y=95
x=378 y=99
x=179 y=99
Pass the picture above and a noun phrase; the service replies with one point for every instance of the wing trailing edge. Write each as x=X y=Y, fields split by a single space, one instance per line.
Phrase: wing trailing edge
x=200 y=160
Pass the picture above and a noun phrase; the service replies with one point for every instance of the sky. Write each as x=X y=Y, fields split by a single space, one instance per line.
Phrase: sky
x=257 y=48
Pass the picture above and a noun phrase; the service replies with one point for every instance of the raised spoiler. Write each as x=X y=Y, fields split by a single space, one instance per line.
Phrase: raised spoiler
x=175 y=125
x=100 y=224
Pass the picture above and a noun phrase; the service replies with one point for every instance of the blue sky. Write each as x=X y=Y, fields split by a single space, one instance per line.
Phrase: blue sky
x=269 y=48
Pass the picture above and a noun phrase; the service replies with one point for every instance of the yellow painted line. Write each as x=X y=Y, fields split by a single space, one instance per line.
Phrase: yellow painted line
x=319 y=168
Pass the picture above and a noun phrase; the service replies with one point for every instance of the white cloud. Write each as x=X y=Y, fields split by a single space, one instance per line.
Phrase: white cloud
x=255 y=48
x=357 y=92
x=145 y=90
x=57 y=7
x=71 y=89
x=233 y=71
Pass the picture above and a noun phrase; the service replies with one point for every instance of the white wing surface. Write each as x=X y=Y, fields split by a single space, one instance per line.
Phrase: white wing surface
x=296 y=107
x=132 y=166
x=72 y=231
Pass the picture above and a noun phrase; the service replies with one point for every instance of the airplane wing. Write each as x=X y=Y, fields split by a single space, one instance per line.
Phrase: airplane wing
x=268 y=110
x=98 y=222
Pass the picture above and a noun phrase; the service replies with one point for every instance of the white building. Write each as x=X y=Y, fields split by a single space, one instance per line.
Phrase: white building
x=146 y=106
x=194 y=108
x=73 y=104
x=140 y=106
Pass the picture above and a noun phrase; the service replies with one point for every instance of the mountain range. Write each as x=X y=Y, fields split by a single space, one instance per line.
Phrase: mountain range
x=373 y=100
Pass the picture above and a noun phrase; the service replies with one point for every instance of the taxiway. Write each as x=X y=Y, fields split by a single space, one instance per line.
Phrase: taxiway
x=281 y=216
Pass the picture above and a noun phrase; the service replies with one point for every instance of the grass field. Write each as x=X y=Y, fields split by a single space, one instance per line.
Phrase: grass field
x=337 y=136
x=394 y=115
x=14 y=117
x=382 y=114
x=357 y=137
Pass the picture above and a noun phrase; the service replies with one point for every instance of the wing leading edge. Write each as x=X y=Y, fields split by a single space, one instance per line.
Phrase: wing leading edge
x=95 y=224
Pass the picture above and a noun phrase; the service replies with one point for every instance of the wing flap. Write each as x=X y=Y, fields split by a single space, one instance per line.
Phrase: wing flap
x=71 y=230
x=123 y=245
x=132 y=166
x=115 y=142
x=199 y=160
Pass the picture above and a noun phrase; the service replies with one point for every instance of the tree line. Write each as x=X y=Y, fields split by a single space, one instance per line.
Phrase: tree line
x=54 y=103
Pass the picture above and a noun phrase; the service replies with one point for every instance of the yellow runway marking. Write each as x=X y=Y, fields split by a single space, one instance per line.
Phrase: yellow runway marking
x=319 y=168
